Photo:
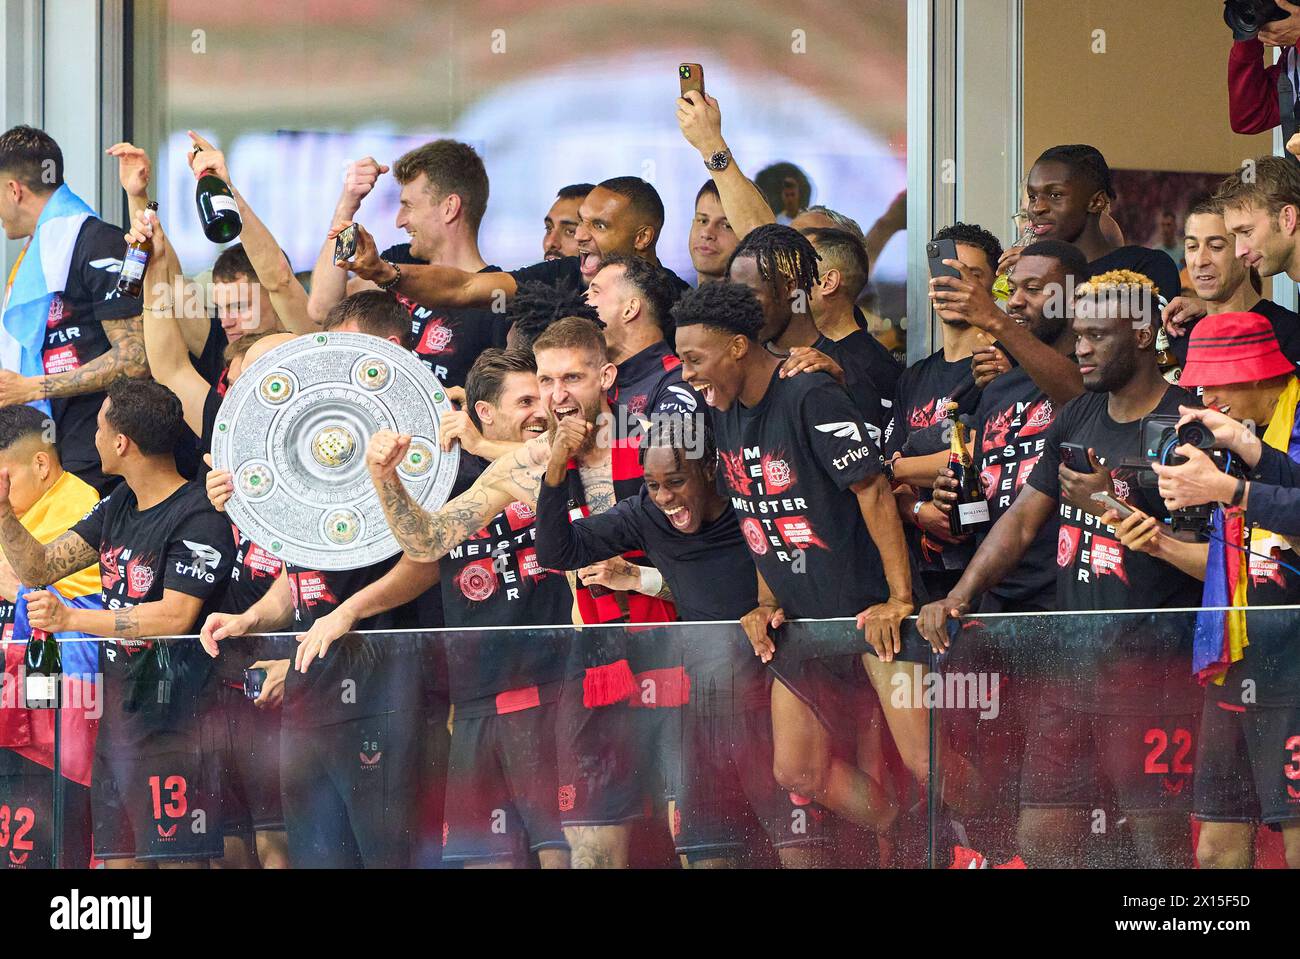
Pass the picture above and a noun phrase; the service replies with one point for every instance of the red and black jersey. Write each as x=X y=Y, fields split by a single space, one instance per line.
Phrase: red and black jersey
x=1011 y=423
x=600 y=656
x=1270 y=668
x=924 y=391
x=180 y=544
x=787 y=465
x=1139 y=662
x=650 y=383
x=449 y=339
x=75 y=335
x=494 y=579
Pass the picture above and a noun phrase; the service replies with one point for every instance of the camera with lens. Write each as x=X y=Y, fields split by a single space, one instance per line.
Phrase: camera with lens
x=1247 y=17
x=1161 y=436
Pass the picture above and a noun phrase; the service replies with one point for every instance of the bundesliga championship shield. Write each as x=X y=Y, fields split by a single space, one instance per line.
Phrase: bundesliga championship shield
x=293 y=432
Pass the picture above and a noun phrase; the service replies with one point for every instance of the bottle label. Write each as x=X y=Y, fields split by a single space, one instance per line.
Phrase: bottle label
x=42 y=689
x=222 y=202
x=133 y=264
x=971 y=514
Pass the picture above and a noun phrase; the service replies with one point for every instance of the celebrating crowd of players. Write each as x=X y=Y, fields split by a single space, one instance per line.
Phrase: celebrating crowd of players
x=637 y=452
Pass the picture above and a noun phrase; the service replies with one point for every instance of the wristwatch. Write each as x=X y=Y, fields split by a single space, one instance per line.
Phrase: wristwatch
x=387 y=285
x=718 y=160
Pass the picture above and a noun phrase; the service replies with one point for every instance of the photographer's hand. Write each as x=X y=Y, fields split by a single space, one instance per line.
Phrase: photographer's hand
x=1229 y=434
x=1195 y=482
x=1282 y=33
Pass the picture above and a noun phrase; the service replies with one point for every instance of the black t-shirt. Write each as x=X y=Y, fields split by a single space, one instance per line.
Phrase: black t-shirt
x=181 y=544
x=1012 y=419
x=360 y=676
x=924 y=390
x=211 y=363
x=787 y=465
x=1271 y=662
x=449 y=339
x=75 y=335
x=1155 y=265
x=494 y=579
x=1143 y=664
x=710 y=573
x=1286 y=327
x=564 y=272
x=865 y=376
x=651 y=383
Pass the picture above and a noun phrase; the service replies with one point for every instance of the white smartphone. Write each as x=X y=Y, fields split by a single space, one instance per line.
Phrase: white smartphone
x=1111 y=502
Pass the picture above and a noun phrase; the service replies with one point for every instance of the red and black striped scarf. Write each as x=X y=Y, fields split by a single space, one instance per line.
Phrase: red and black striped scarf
x=608 y=677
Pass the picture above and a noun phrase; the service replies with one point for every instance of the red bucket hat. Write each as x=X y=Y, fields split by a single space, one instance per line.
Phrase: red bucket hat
x=1233 y=348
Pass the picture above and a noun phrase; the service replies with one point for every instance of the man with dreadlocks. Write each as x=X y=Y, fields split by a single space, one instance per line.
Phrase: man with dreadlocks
x=691 y=532
x=780 y=265
x=1122 y=684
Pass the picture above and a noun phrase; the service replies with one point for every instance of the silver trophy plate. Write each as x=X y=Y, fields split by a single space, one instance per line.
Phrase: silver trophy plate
x=293 y=432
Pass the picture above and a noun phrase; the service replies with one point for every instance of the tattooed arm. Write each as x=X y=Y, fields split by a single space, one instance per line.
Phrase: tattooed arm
x=173 y=615
x=427 y=537
x=125 y=357
x=36 y=563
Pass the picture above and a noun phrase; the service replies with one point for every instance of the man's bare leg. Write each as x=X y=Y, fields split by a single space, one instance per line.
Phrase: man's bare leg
x=1049 y=837
x=598 y=847
x=1226 y=845
x=960 y=786
x=802 y=762
x=273 y=848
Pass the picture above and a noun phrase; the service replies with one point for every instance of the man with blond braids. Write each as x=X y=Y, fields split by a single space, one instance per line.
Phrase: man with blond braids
x=1103 y=721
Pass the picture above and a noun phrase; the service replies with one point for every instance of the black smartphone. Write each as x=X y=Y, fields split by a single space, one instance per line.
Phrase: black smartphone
x=936 y=252
x=1075 y=456
x=253 y=680
x=691 y=77
x=345 y=244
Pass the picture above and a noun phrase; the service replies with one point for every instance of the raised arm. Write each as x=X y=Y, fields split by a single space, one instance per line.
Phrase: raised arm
x=743 y=202
x=427 y=285
x=133 y=171
x=269 y=262
x=966 y=299
x=427 y=537
x=164 y=344
x=329 y=282
x=565 y=545
x=36 y=563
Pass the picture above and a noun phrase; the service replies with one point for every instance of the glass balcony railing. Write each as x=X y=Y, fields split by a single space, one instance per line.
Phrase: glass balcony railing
x=1076 y=740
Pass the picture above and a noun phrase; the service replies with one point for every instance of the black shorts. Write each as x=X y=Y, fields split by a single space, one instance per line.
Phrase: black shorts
x=1145 y=760
x=27 y=817
x=836 y=688
x=601 y=761
x=1248 y=764
x=250 y=764
x=159 y=800
x=728 y=792
x=351 y=791
x=502 y=787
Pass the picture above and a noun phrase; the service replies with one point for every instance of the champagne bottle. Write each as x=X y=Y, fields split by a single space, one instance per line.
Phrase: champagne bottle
x=131 y=279
x=971 y=510
x=44 y=668
x=218 y=211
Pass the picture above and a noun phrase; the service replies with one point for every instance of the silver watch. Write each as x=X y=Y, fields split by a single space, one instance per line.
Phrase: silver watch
x=718 y=161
